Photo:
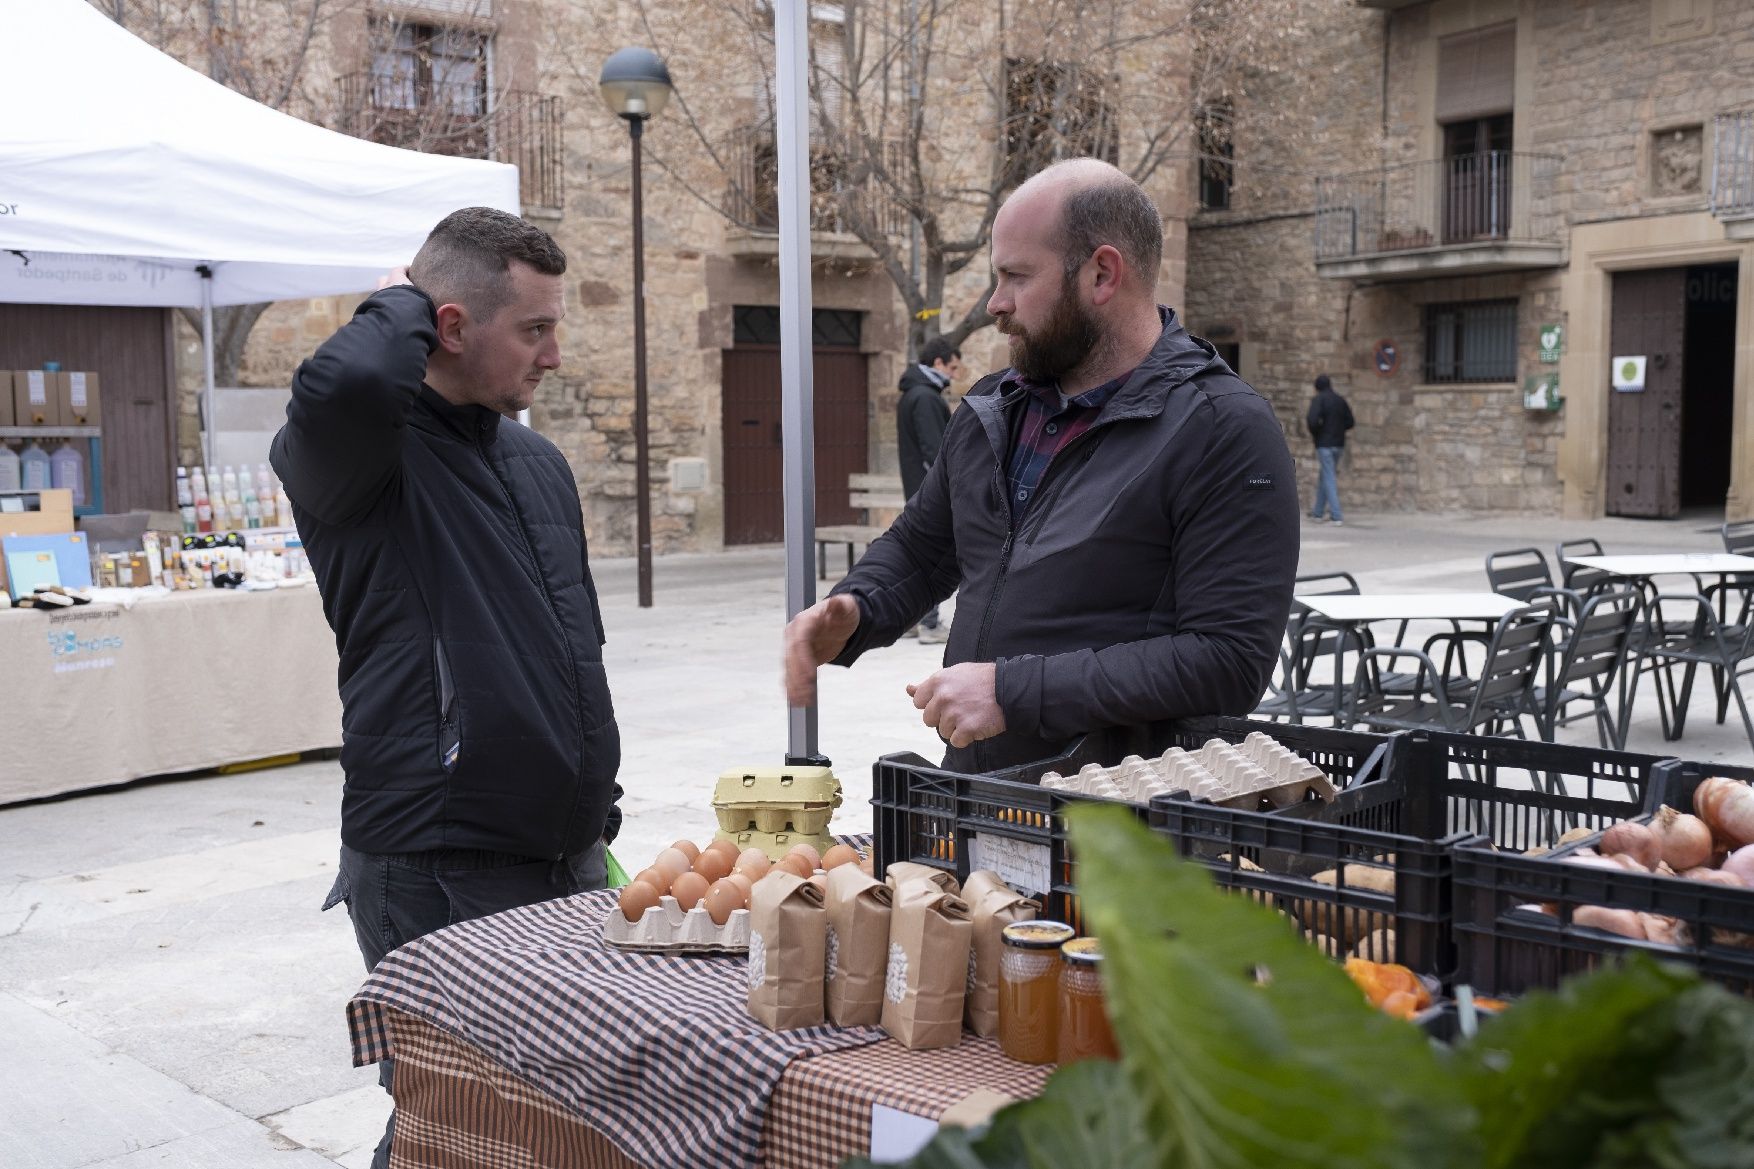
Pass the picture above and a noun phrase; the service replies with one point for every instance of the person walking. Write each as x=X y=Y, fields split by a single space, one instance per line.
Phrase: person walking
x=1117 y=511
x=479 y=744
x=1328 y=420
x=921 y=415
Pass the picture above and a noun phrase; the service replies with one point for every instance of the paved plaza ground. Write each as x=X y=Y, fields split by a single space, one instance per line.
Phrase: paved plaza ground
x=171 y=996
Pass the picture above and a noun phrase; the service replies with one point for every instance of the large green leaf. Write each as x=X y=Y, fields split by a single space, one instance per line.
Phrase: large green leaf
x=1248 y=1047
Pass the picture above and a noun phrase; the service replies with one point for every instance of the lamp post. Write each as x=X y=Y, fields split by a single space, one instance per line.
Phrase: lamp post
x=636 y=86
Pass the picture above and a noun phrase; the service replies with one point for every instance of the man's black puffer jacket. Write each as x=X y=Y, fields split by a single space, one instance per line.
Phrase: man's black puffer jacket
x=449 y=549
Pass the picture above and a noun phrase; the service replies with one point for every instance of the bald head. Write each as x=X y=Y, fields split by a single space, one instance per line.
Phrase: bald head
x=1091 y=203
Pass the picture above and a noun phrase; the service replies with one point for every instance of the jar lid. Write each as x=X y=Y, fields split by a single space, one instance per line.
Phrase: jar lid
x=1037 y=935
x=1082 y=951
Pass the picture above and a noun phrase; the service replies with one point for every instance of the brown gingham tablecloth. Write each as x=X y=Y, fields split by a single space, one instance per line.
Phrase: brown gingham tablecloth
x=657 y=1053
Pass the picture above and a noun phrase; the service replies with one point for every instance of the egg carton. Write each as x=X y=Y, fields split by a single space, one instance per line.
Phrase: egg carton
x=1246 y=775
x=795 y=800
x=777 y=844
x=667 y=928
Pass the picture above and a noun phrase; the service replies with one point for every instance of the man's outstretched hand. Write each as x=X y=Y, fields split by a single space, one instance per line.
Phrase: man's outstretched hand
x=961 y=703
x=816 y=637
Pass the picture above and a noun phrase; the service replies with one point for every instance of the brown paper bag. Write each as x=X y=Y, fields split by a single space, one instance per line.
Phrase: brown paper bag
x=902 y=872
x=788 y=926
x=859 y=909
x=930 y=933
x=993 y=905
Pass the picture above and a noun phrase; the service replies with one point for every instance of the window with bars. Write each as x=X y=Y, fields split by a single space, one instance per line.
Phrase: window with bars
x=420 y=66
x=1471 y=341
x=1053 y=111
x=1217 y=152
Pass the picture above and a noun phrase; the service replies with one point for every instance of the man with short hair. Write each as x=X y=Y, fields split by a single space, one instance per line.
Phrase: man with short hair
x=479 y=743
x=920 y=418
x=1328 y=420
x=1117 y=510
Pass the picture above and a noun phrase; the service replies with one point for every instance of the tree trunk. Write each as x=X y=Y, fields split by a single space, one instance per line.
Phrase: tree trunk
x=231 y=332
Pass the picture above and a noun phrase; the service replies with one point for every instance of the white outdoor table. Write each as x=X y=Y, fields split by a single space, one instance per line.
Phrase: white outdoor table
x=1668 y=564
x=1366 y=607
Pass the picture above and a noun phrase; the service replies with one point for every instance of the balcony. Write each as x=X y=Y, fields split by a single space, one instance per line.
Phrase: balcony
x=466 y=121
x=1732 y=174
x=1466 y=215
x=846 y=197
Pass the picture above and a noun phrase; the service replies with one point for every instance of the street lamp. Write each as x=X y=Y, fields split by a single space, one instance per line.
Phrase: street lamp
x=636 y=86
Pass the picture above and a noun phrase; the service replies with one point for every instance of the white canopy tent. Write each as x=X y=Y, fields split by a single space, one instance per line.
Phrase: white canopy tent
x=127 y=178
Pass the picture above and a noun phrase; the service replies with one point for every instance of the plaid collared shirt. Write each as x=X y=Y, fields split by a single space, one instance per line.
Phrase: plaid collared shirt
x=1046 y=429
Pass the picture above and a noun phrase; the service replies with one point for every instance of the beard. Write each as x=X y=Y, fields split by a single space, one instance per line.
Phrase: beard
x=1060 y=345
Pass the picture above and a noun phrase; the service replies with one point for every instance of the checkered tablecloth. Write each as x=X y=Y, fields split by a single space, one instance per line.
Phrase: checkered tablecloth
x=659 y=1054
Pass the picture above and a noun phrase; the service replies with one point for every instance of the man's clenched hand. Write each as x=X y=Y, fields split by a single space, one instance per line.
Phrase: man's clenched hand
x=961 y=703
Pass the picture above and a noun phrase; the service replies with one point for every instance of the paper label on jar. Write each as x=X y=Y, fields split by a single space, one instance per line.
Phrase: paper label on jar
x=39 y=387
x=1022 y=864
x=76 y=382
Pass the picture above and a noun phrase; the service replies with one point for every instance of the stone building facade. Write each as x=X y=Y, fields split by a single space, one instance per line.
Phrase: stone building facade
x=710 y=283
x=1447 y=180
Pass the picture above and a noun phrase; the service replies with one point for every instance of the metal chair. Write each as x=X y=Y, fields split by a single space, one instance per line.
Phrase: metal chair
x=1575 y=577
x=1293 y=695
x=1590 y=662
x=1522 y=574
x=1704 y=641
x=1496 y=699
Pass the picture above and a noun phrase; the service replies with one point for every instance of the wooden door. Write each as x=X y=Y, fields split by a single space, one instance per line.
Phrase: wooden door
x=754 y=441
x=130 y=351
x=1644 y=427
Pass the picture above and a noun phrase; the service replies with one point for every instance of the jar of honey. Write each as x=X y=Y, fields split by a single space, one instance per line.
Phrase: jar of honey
x=1084 y=1031
x=1029 y=977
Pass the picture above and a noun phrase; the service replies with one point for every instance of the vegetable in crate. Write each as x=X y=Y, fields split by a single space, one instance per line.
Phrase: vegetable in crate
x=1727 y=807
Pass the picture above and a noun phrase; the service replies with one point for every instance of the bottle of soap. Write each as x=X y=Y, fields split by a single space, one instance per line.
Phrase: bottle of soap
x=34 y=468
x=67 y=469
x=11 y=477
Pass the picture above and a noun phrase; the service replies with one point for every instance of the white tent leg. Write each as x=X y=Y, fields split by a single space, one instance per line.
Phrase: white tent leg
x=792 y=118
x=208 y=436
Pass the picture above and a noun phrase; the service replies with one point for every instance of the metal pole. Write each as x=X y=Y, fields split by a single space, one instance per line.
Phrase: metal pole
x=208 y=420
x=792 y=141
x=641 y=435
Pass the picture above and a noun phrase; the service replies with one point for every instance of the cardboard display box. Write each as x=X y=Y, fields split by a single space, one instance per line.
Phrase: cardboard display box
x=36 y=397
x=56 y=515
x=79 y=398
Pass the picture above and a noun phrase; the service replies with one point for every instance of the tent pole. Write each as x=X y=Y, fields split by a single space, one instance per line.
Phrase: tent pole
x=208 y=443
x=792 y=141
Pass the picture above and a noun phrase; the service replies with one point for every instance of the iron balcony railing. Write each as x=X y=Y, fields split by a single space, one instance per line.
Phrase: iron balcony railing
x=1495 y=196
x=465 y=120
x=846 y=190
x=1732 y=166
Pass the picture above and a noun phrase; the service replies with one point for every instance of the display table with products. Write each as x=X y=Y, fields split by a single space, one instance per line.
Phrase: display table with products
x=104 y=693
x=523 y=1039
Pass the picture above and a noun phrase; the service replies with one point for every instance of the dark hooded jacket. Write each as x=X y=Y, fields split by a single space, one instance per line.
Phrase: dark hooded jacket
x=449 y=549
x=1150 y=578
x=1328 y=419
x=920 y=418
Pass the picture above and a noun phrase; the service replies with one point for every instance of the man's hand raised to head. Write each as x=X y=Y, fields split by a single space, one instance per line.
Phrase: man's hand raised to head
x=392 y=278
x=961 y=703
x=816 y=637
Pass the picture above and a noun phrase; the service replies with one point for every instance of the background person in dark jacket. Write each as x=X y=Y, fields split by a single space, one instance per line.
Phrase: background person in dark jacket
x=920 y=418
x=1329 y=419
x=478 y=741
x=1118 y=507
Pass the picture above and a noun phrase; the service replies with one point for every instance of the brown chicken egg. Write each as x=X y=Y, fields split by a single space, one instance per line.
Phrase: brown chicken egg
x=728 y=847
x=714 y=866
x=752 y=863
x=742 y=881
x=689 y=889
x=809 y=853
x=794 y=864
x=636 y=898
x=688 y=849
x=673 y=861
x=868 y=866
x=656 y=878
x=840 y=854
x=723 y=899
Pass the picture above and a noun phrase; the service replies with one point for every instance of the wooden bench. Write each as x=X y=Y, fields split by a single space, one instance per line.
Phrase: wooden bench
x=873 y=493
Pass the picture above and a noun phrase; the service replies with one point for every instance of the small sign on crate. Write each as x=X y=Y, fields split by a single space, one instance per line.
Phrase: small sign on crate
x=1023 y=865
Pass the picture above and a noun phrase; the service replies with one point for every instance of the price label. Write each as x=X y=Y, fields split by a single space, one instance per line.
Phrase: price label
x=1022 y=864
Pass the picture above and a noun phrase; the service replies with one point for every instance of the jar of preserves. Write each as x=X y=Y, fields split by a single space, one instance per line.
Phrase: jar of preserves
x=1029 y=976
x=1084 y=1031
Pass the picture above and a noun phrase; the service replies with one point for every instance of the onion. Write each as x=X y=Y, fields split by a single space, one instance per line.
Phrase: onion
x=1624 y=922
x=1666 y=930
x=1740 y=864
x=1684 y=839
x=1727 y=807
x=1715 y=877
x=1633 y=840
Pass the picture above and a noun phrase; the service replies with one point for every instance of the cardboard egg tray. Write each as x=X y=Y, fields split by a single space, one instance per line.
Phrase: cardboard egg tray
x=777 y=844
x=1231 y=776
x=796 y=801
x=666 y=928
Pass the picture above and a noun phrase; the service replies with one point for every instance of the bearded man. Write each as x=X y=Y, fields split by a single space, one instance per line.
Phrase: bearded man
x=1116 y=511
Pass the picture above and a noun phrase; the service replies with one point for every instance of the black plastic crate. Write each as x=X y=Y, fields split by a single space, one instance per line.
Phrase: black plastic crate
x=1008 y=822
x=1507 y=946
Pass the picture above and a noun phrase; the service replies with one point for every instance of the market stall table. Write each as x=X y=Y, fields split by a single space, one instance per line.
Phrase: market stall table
x=1363 y=608
x=103 y=693
x=523 y=1039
